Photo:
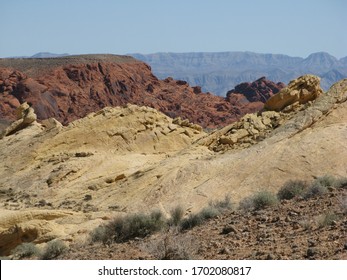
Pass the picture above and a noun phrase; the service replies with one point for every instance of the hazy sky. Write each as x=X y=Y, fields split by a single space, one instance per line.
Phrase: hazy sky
x=292 y=27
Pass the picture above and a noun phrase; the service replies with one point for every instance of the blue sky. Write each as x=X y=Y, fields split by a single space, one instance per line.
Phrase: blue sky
x=292 y=27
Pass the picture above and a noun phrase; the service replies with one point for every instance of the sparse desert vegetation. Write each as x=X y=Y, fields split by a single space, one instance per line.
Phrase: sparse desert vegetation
x=300 y=227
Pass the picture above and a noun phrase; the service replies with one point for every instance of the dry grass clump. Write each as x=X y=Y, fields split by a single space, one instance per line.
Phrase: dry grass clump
x=292 y=189
x=25 y=250
x=172 y=245
x=258 y=201
x=53 y=249
x=212 y=210
x=327 y=219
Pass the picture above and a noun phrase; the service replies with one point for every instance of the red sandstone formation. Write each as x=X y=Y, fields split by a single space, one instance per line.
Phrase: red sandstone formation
x=69 y=88
x=258 y=91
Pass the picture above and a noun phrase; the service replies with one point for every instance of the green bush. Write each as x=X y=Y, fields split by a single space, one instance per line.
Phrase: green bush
x=327 y=219
x=222 y=205
x=53 y=249
x=291 y=189
x=319 y=186
x=258 y=201
x=341 y=183
x=246 y=204
x=209 y=213
x=102 y=234
x=326 y=181
x=264 y=199
x=176 y=216
x=191 y=221
x=136 y=225
x=214 y=209
x=172 y=246
x=25 y=250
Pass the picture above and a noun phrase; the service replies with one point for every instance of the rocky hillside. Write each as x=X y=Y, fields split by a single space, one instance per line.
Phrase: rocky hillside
x=67 y=180
x=221 y=71
x=292 y=230
x=68 y=88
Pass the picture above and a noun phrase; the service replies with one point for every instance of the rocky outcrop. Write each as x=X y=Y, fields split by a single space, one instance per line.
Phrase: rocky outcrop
x=68 y=88
x=258 y=91
x=25 y=116
x=292 y=106
x=299 y=91
x=251 y=129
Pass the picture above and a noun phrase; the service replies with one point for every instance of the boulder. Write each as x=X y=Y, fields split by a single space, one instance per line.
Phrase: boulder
x=300 y=91
x=52 y=123
x=25 y=116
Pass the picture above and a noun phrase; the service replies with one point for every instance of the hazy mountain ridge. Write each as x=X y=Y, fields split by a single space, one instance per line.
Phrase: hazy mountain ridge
x=42 y=55
x=221 y=71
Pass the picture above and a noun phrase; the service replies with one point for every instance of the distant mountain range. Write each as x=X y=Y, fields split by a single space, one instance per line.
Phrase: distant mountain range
x=48 y=55
x=218 y=72
x=42 y=55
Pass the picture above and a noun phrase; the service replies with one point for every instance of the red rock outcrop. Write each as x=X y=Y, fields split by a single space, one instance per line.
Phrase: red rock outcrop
x=69 y=88
x=258 y=91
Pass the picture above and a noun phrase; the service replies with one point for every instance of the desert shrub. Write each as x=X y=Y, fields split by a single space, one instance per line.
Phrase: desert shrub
x=214 y=209
x=25 y=250
x=53 y=249
x=209 y=212
x=341 y=183
x=171 y=246
x=326 y=181
x=316 y=189
x=222 y=205
x=246 y=204
x=258 y=201
x=191 y=221
x=291 y=189
x=327 y=219
x=101 y=234
x=305 y=224
x=264 y=199
x=176 y=216
x=196 y=219
x=136 y=225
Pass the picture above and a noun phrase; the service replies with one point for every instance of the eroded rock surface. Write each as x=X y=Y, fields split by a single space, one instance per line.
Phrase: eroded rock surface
x=299 y=91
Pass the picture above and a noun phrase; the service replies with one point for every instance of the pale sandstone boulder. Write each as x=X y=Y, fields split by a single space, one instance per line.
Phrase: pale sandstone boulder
x=52 y=123
x=25 y=116
x=301 y=90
